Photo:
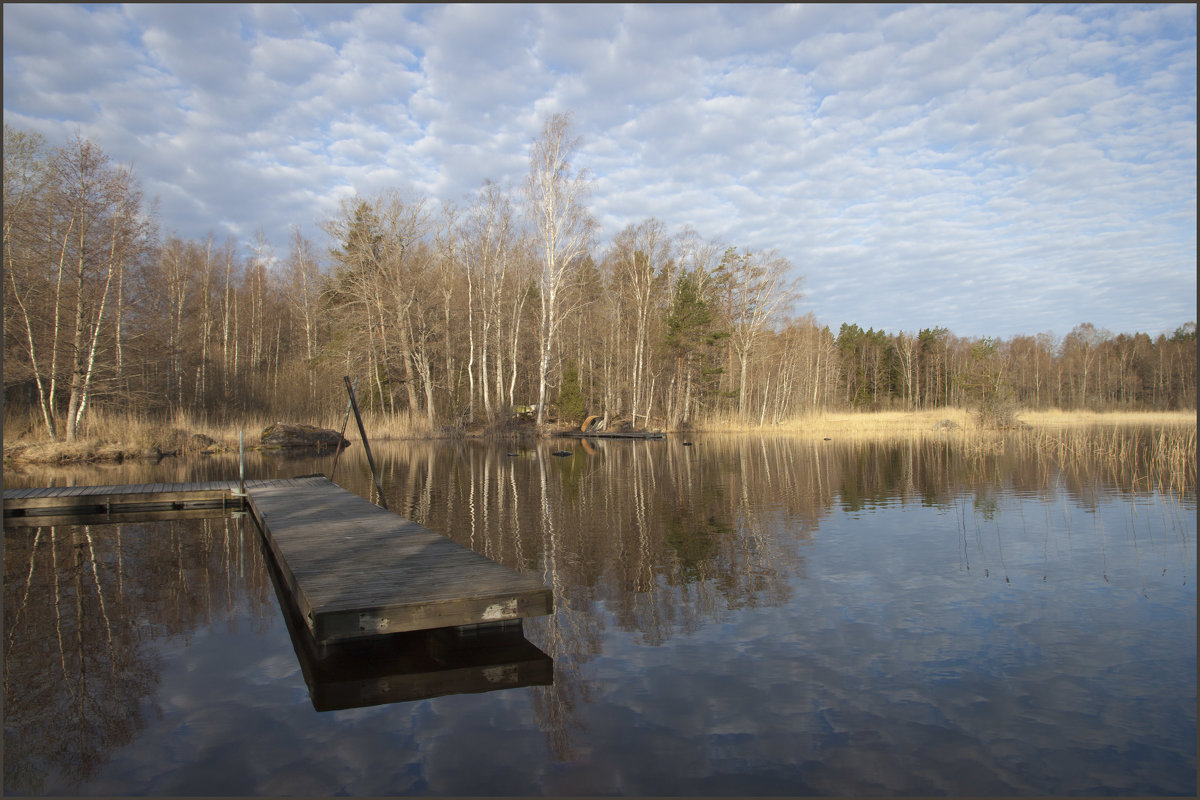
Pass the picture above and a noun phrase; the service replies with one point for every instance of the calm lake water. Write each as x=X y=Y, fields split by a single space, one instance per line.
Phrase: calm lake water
x=742 y=616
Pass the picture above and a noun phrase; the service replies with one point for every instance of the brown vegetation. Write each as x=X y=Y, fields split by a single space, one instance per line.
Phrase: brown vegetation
x=1063 y=434
x=453 y=318
x=118 y=437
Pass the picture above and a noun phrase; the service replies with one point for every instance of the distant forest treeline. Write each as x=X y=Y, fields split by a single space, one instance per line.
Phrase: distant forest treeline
x=457 y=315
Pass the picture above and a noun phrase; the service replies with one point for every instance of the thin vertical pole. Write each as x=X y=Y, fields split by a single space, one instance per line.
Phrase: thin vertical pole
x=366 y=446
x=241 y=463
x=345 y=422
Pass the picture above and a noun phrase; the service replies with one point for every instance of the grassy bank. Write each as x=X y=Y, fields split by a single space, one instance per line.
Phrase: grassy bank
x=942 y=422
x=853 y=424
x=1142 y=449
x=116 y=437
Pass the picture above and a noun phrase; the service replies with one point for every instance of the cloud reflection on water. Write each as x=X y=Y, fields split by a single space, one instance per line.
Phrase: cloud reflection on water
x=737 y=617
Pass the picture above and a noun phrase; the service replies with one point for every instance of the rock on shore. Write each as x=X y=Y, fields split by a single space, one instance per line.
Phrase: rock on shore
x=283 y=434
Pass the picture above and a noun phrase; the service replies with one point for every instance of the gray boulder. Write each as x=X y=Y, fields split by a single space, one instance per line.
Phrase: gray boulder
x=283 y=434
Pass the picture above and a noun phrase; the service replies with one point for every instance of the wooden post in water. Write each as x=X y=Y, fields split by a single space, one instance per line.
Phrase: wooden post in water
x=241 y=464
x=345 y=422
x=366 y=446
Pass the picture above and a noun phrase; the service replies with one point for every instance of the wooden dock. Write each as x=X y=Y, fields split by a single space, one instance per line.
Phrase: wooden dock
x=357 y=570
x=63 y=505
x=415 y=665
x=354 y=570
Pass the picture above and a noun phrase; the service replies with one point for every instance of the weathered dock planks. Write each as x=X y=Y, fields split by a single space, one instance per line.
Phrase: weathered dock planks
x=414 y=665
x=35 y=506
x=356 y=570
x=353 y=569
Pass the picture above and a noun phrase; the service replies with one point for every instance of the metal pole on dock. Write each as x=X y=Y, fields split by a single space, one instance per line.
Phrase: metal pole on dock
x=366 y=446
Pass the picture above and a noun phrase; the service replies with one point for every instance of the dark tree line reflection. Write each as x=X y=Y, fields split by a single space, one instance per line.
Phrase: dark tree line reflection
x=658 y=538
x=83 y=605
x=636 y=525
x=654 y=538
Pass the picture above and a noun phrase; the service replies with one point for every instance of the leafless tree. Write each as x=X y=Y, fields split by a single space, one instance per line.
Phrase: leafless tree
x=759 y=287
x=460 y=313
x=642 y=256
x=27 y=178
x=563 y=229
x=88 y=224
x=491 y=248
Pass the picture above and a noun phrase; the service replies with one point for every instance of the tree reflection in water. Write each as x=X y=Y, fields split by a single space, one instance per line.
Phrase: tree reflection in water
x=645 y=541
x=83 y=605
x=659 y=539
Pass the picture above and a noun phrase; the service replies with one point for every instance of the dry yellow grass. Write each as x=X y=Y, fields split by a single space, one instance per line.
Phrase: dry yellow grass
x=389 y=426
x=858 y=424
x=1169 y=455
x=109 y=436
x=941 y=421
x=1137 y=449
x=1161 y=456
x=1057 y=418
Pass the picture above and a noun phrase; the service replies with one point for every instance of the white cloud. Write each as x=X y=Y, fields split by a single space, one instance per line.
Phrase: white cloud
x=291 y=62
x=893 y=153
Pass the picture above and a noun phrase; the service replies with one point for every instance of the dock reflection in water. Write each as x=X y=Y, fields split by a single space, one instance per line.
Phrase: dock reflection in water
x=749 y=615
x=422 y=664
x=415 y=665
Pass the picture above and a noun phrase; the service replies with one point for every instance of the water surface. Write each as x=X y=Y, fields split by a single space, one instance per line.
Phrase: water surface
x=745 y=615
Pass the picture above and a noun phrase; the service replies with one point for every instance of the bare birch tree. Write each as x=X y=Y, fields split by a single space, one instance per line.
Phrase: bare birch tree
x=26 y=179
x=759 y=289
x=563 y=229
x=490 y=233
x=89 y=223
x=303 y=275
x=640 y=255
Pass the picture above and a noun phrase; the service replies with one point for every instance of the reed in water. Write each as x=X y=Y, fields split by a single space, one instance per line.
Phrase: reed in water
x=1163 y=453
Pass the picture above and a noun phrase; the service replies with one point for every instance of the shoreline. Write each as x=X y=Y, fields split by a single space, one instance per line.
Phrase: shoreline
x=154 y=441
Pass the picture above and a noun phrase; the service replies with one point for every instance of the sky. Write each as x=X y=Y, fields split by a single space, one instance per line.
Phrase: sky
x=996 y=170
